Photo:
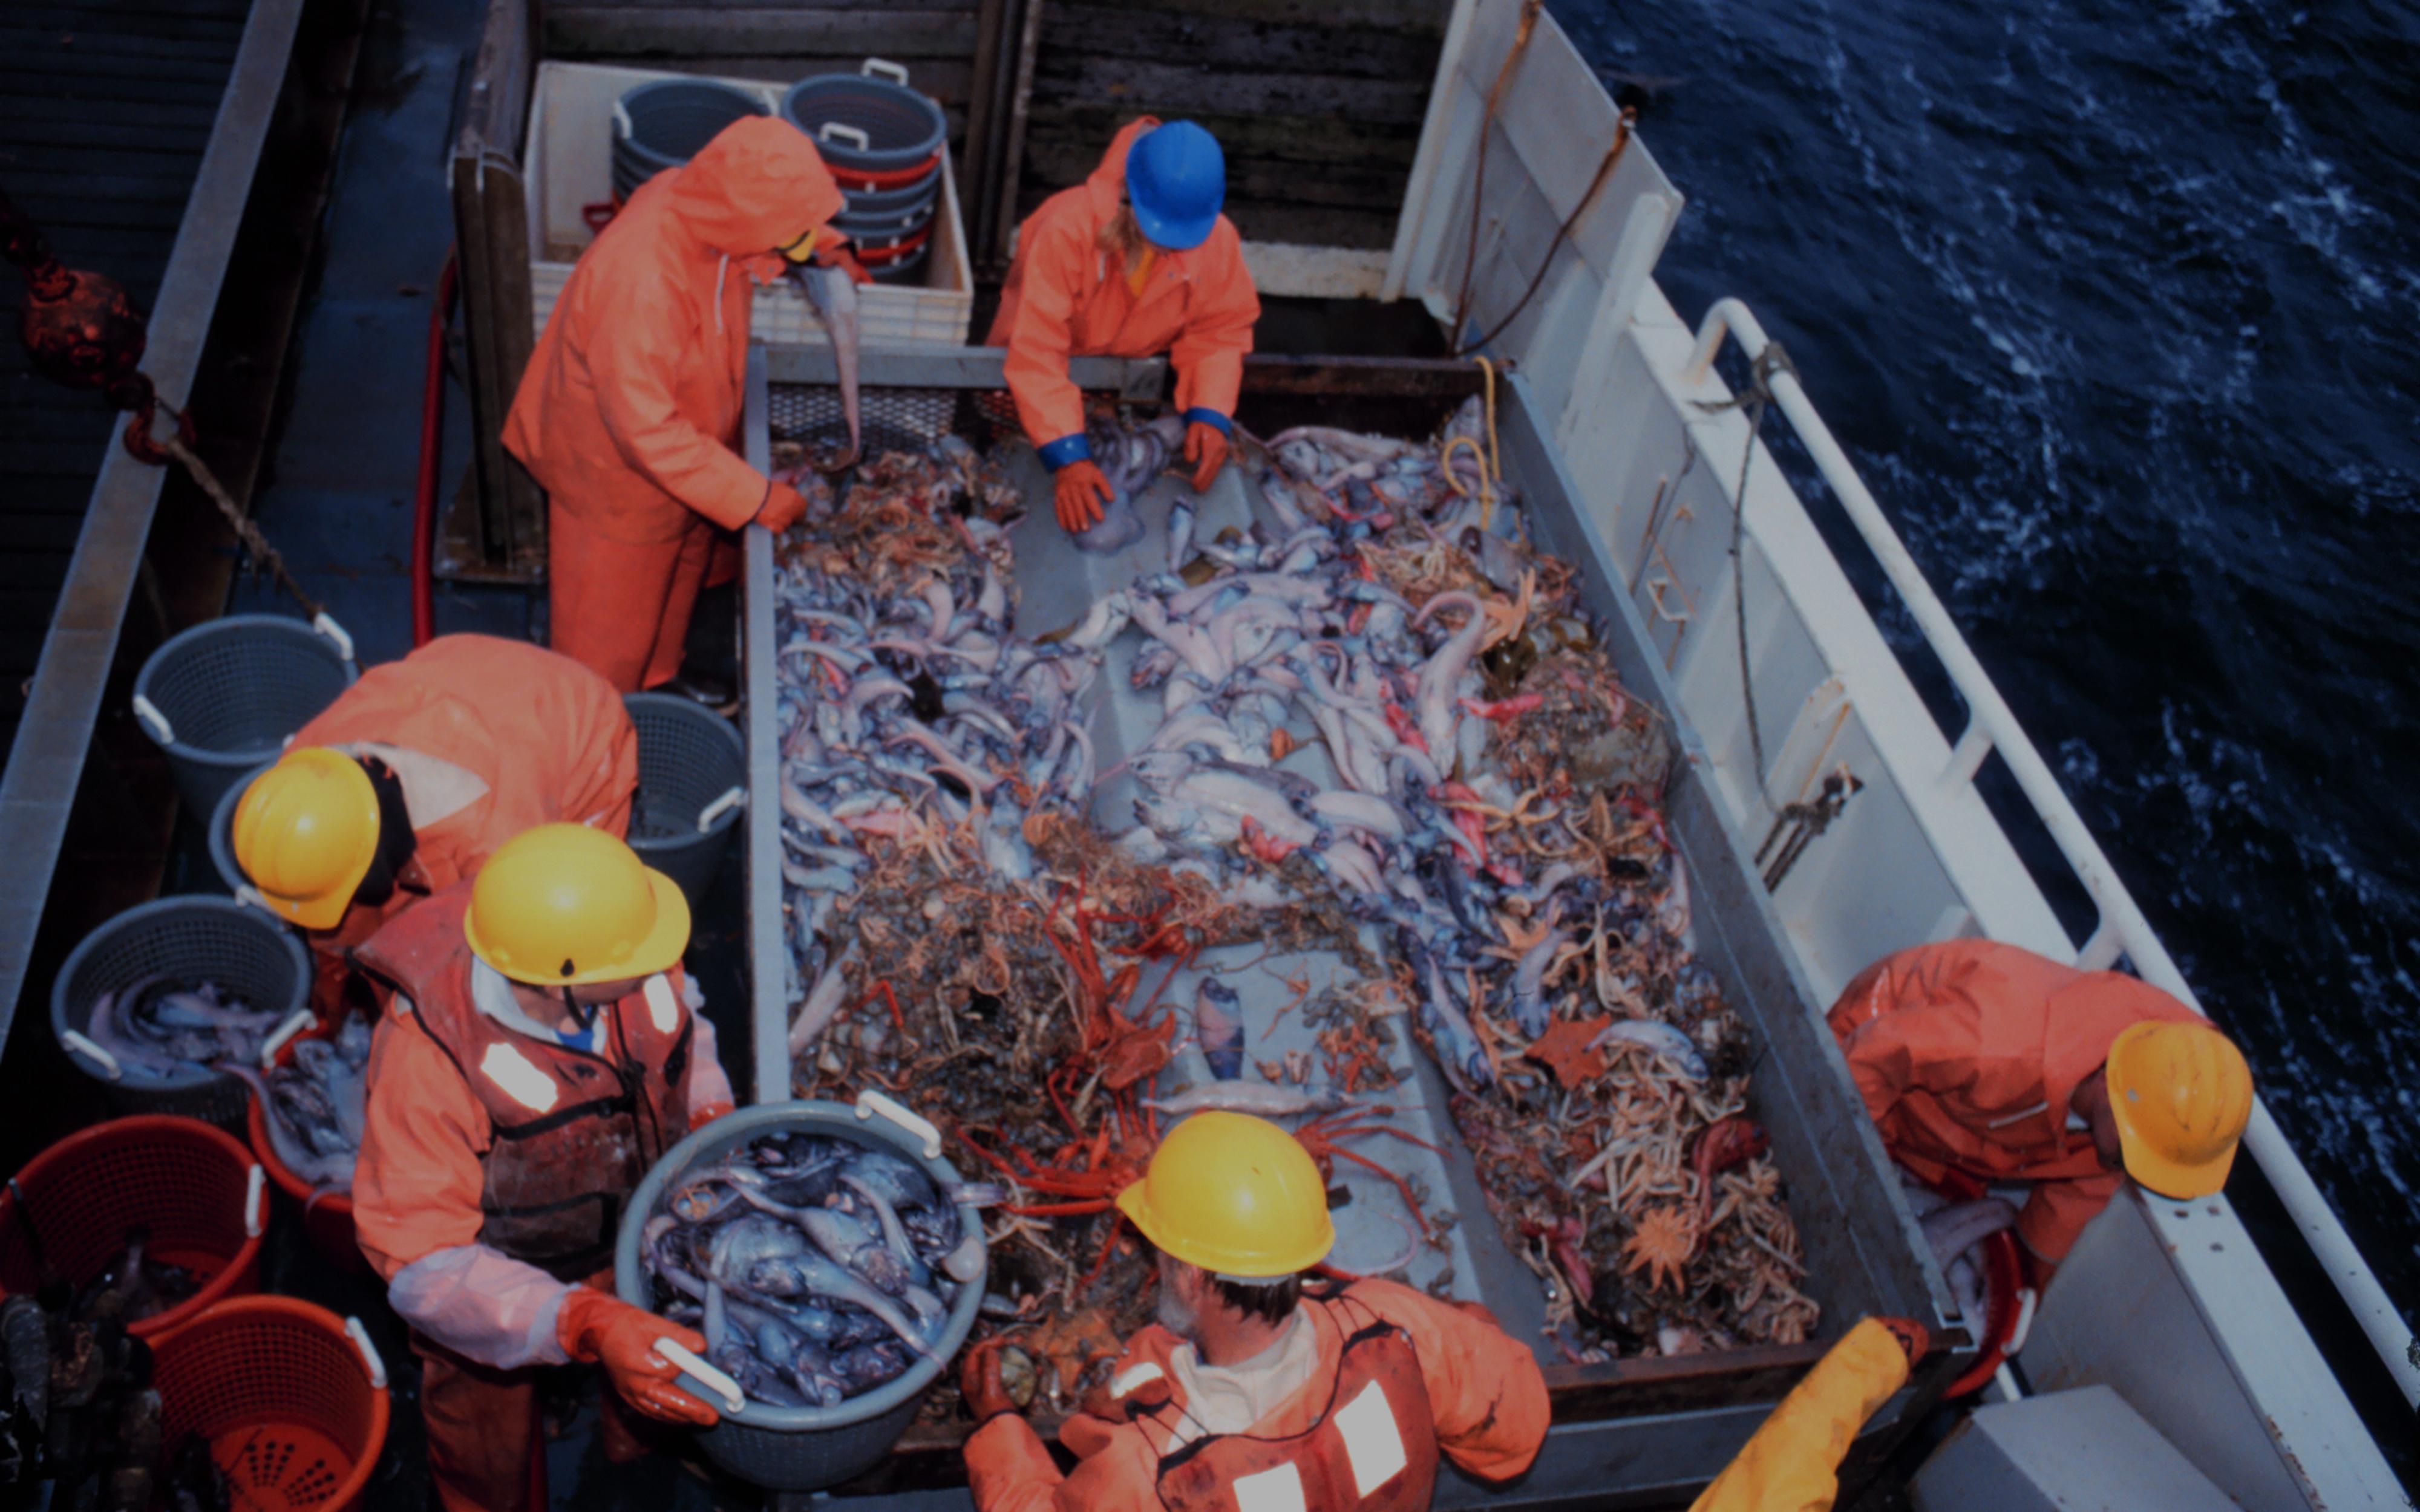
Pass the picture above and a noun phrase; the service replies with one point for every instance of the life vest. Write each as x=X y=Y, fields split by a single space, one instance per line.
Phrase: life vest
x=1373 y=1448
x=572 y=1131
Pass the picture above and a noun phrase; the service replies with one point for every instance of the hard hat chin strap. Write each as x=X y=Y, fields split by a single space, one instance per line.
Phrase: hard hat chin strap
x=583 y=1014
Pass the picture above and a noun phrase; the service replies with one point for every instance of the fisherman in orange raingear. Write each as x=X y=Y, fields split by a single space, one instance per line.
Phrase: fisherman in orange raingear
x=1986 y=1058
x=629 y=409
x=1255 y=1391
x=417 y=773
x=537 y=1059
x=1133 y=261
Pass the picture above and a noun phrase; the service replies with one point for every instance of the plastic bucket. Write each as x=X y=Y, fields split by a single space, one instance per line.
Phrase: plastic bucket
x=2004 y=1272
x=874 y=232
x=222 y=697
x=193 y=938
x=198 y=1192
x=222 y=832
x=693 y=767
x=665 y=123
x=922 y=191
x=868 y=122
x=327 y=1223
x=291 y=1399
x=907 y=268
x=800 y=1448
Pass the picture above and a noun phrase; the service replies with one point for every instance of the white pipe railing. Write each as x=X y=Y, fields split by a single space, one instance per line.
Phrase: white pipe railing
x=2122 y=929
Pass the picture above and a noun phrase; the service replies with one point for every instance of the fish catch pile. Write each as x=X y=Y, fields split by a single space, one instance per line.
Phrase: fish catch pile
x=312 y=1103
x=1379 y=724
x=80 y=1423
x=161 y=1027
x=815 y=1268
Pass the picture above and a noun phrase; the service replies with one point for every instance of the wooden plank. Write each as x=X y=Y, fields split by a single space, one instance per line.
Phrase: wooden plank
x=1066 y=157
x=650 y=31
x=1085 y=128
x=1012 y=159
x=1409 y=15
x=1174 y=90
x=558 y=7
x=1261 y=47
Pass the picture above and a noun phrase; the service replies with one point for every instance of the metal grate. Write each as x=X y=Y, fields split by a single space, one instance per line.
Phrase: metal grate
x=894 y=420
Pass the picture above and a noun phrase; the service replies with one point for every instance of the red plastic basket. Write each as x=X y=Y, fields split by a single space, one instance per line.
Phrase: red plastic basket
x=294 y=1407
x=327 y=1223
x=2005 y=1271
x=864 y=178
x=193 y=1186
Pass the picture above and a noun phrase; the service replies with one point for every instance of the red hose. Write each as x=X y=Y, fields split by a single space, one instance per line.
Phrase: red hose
x=432 y=423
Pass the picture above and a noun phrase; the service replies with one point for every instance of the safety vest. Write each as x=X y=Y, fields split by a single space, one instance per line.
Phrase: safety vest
x=1373 y=1448
x=572 y=1131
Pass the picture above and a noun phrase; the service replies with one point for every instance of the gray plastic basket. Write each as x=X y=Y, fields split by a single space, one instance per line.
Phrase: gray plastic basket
x=664 y=124
x=191 y=939
x=690 y=762
x=222 y=698
x=223 y=832
x=900 y=126
x=800 y=1448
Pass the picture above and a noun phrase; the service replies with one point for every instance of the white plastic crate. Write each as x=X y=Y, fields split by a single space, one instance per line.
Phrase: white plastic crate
x=567 y=166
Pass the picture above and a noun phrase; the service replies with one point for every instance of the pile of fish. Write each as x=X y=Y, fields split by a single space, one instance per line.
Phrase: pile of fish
x=311 y=1104
x=816 y=1268
x=161 y=1027
x=80 y=1423
x=136 y=1283
x=1386 y=727
x=1955 y=1232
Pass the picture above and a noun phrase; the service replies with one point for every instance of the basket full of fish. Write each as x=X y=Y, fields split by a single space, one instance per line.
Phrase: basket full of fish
x=172 y=1003
x=833 y=1260
x=305 y=1126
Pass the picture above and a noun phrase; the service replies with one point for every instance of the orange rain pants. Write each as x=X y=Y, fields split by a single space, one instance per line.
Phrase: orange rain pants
x=1486 y=1396
x=1967 y=1053
x=1067 y=296
x=629 y=411
x=1793 y=1463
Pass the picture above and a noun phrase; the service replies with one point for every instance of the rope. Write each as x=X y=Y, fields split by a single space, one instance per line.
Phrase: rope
x=255 y=544
x=1562 y=232
x=1753 y=401
x=1529 y=9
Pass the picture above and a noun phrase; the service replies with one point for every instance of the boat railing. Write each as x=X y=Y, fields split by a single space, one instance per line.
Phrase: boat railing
x=2121 y=930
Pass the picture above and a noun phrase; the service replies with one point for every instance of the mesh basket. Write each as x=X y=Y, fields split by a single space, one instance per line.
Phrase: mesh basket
x=800 y=1448
x=894 y=420
x=227 y=693
x=902 y=127
x=190 y=939
x=690 y=758
x=222 y=832
x=189 y=1184
x=295 y=1412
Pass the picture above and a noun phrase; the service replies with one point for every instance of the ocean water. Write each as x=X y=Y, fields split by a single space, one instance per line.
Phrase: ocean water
x=2117 y=309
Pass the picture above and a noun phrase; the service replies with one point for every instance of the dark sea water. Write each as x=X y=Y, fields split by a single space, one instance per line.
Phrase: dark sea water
x=2116 y=307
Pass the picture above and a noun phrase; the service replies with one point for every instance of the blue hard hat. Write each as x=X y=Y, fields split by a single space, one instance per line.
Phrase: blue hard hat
x=1176 y=179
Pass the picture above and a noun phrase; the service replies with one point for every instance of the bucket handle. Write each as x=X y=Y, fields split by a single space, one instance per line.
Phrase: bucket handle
x=296 y=1021
x=841 y=129
x=732 y=798
x=255 y=1200
x=82 y=1046
x=704 y=1374
x=870 y=1102
x=883 y=68
x=622 y=127
x=2026 y=1300
x=326 y=624
x=370 y=1356
x=154 y=723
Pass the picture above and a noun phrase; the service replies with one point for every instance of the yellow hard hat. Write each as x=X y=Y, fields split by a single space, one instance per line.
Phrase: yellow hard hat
x=2181 y=1095
x=1235 y=1195
x=305 y=832
x=563 y=905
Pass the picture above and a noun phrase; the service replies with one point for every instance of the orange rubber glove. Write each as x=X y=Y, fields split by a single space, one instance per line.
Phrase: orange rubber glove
x=979 y=1382
x=1082 y=493
x=599 y=1329
x=784 y=507
x=1205 y=447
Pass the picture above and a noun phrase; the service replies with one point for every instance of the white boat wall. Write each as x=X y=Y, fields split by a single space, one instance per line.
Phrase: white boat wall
x=2168 y=1303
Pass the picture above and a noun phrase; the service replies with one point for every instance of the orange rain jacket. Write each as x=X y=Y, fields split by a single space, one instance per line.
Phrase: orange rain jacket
x=1066 y=297
x=549 y=739
x=1967 y=1053
x=1485 y=1394
x=1793 y=1463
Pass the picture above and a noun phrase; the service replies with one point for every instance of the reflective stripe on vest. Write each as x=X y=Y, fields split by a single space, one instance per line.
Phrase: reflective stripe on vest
x=663 y=1007
x=1278 y=1489
x=1373 y=1443
x=518 y=1079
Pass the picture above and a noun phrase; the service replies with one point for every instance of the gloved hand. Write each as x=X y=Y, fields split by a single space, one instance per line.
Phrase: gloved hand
x=979 y=1382
x=597 y=1329
x=840 y=256
x=1082 y=493
x=1913 y=1339
x=1205 y=447
x=784 y=507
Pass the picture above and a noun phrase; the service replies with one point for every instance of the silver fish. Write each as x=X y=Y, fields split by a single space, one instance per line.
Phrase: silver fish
x=1260 y=1099
x=1658 y=1038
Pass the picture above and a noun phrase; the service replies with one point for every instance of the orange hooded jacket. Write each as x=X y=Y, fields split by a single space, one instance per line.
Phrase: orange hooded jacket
x=1967 y=1053
x=1485 y=1394
x=630 y=407
x=546 y=738
x=1068 y=297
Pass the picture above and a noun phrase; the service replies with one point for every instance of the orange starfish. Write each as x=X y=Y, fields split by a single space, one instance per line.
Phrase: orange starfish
x=1662 y=1245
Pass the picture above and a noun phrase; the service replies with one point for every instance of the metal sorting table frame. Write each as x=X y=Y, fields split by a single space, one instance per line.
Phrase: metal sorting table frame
x=1628 y=1431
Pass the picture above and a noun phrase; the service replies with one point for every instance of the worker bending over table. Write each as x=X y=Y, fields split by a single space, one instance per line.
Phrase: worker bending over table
x=629 y=413
x=1260 y=1390
x=1978 y=1057
x=1133 y=261
x=538 y=1059
x=417 y=773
